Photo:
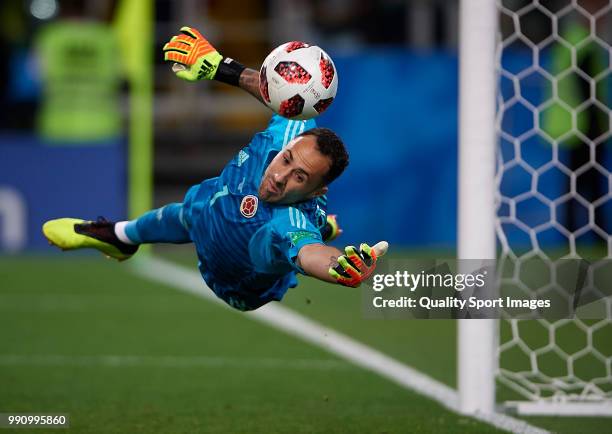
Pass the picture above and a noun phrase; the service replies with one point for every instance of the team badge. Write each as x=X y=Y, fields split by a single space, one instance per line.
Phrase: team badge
x=248 y=206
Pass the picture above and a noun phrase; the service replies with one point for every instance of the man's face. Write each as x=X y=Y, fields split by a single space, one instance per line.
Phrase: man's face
x=296 y=173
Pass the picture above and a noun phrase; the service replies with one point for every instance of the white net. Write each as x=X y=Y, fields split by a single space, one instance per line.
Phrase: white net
x=554 y=194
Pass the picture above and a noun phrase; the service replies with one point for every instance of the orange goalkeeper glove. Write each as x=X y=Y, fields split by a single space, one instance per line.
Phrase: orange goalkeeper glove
x=193 y=56
x=355 y=266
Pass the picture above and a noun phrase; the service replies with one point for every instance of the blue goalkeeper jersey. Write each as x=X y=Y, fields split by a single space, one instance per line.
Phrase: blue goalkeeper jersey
x=247 y=248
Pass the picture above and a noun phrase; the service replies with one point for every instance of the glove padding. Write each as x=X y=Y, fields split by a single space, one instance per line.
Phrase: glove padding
x=355 y=266
x=193 y=56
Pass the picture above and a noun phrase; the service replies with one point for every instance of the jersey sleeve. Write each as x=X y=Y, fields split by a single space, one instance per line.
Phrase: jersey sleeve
x=283 y=130
x=275 y=137
x=276 y=245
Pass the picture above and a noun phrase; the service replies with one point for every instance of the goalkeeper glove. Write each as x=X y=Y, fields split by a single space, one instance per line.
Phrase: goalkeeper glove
x=199 y=59
x=331 y=230
x=196 y=59
x=355 y=266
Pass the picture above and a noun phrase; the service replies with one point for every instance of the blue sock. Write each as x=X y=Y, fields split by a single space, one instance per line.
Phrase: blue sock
x=163 y=225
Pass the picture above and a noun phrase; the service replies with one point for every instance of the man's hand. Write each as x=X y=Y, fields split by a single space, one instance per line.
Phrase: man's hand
x=332 y=229
x=355 y=266
x=197 y=59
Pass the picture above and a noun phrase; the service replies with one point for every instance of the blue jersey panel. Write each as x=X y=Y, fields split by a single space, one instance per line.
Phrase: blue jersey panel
x=247 y=248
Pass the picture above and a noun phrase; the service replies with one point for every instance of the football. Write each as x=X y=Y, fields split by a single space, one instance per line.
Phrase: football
x=298 y=80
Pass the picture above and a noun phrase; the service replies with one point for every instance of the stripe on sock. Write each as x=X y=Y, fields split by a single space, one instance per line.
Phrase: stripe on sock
x=121 y=230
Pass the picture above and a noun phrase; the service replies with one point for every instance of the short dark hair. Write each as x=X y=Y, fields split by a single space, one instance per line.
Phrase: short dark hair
x=330 y=145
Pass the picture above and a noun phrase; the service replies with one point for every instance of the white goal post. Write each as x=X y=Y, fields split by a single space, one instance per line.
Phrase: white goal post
x=523 y=119
x=476 y=214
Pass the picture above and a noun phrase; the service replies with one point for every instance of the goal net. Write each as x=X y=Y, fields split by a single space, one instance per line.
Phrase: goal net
x=554 y=202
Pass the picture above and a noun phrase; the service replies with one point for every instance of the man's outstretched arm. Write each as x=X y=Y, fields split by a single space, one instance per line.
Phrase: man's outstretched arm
x=194 y=58
x=249 y=81
x=331 y=265
x=317 y=259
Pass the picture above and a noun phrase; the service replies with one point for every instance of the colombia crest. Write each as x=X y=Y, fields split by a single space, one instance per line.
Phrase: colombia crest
x=248 y=206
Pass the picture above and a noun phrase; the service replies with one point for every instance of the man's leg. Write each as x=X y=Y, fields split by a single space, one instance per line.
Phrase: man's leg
x=163 y=225
x=119 y=240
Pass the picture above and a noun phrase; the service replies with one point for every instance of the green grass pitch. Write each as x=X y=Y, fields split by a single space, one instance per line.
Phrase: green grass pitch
x=85 y=336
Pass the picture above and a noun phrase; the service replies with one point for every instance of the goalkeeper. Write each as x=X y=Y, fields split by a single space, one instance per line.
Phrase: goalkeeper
x=261 y=221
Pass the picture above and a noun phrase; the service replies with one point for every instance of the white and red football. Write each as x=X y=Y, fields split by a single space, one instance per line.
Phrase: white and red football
x=298 y=80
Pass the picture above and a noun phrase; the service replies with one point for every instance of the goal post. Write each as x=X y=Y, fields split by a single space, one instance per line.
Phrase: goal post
x=476 y=224
x=535 y=194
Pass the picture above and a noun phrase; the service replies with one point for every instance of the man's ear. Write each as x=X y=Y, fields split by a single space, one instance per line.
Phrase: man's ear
x=318 y=192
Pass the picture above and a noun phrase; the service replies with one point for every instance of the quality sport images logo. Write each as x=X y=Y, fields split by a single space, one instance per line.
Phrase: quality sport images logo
x=248 y=206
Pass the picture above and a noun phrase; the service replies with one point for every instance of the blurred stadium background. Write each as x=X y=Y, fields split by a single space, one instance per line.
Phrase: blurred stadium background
x=88 y=129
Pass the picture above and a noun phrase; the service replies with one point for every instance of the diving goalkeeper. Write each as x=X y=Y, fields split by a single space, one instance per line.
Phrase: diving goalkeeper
x=261 y=221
